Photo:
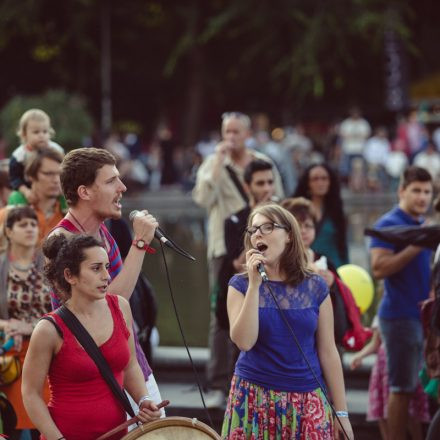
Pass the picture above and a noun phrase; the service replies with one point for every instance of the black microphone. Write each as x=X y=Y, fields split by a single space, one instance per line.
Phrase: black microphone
x=159 y=234
x=262 y=271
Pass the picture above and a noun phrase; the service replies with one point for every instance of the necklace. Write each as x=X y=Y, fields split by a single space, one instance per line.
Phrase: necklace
x=103 y=240
x=19 y=267
x=77 y=221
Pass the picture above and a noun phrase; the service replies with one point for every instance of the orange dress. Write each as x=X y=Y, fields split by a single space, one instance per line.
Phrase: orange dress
x=13 y=392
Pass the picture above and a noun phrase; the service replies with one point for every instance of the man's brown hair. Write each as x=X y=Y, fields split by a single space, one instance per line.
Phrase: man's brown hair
x=33 y=164
x=80 y=167
x=414 y=174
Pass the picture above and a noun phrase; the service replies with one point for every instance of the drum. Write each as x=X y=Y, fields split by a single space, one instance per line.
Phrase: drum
x=173 y=428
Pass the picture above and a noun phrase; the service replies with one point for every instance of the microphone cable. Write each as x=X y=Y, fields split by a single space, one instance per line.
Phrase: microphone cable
x=283 y=316
x=173 y=245
x=196 y=376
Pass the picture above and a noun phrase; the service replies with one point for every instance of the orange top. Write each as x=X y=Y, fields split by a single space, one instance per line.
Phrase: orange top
x=47 y=224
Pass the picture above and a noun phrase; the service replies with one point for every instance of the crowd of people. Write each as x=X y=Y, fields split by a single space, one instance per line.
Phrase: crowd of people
x=273 y=250
x=295 y=247
x=367 y=157
x=56 y=205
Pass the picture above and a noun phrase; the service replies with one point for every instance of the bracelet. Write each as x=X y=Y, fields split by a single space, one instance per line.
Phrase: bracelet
x=143 y=399
x=342 y=414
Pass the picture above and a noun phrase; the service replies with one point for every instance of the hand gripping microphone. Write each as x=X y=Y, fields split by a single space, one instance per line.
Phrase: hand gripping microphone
x=262 y=247
x=159 y=234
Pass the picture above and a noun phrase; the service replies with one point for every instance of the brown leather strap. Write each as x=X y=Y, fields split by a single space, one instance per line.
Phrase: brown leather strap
x=129 y=422
x=119 y=428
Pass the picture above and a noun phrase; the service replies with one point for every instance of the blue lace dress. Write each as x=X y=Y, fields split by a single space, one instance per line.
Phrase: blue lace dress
x=274 y=395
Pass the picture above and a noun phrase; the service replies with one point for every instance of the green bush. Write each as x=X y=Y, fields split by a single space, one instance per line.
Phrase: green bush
x=69 y=116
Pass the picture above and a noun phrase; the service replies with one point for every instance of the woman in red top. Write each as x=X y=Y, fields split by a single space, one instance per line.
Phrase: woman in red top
x=82 y=406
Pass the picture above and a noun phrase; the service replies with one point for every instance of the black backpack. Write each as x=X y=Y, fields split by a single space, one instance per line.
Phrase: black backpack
x=144 y=308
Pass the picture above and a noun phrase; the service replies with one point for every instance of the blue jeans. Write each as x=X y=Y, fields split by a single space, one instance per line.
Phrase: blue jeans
x=403 y=339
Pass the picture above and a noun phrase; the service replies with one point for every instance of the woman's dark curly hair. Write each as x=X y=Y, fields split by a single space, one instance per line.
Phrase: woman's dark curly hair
x=332 y=204
x=65 y=253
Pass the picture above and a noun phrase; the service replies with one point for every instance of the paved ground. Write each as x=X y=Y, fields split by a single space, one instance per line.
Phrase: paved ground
x=185 y=394
x=177 y=384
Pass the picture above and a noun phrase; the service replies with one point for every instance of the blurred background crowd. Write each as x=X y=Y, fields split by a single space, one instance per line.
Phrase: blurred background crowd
x=369 y=158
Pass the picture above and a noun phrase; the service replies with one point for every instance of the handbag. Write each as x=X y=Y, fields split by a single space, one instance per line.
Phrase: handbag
x=10 y=365
x=89 y=345
x=10 y=369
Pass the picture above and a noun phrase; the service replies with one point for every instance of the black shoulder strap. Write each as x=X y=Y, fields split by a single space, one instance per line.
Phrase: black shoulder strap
x=89 y=345
x=237 y=183
x=57 y=327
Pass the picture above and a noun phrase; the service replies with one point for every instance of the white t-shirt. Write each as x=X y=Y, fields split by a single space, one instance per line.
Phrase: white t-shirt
x=377 y=150
x=430 y=162
x=354 y=133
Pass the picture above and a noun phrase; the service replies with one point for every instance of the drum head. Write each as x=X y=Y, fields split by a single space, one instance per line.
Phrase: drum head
x=173 y=428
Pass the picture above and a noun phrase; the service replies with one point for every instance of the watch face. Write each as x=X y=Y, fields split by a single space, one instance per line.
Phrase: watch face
x=140 y=244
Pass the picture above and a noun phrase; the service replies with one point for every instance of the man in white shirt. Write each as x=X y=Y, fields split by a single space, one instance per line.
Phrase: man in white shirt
x=353 y=132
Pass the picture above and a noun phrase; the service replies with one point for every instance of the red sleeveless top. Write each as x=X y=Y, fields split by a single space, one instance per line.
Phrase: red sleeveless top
x=82 y=404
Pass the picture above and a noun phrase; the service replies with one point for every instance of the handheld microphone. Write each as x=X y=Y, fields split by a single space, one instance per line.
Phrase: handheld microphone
x=262 y=271
x=158 y=233
x=262 y=247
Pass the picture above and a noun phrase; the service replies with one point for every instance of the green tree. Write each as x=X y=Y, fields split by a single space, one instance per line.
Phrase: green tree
x=188 y=61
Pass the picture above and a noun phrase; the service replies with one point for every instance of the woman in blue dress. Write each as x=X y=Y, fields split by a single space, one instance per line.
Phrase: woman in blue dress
x=274 y=394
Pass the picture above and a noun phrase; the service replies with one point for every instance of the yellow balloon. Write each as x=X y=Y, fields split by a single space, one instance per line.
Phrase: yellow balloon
x=360 y=283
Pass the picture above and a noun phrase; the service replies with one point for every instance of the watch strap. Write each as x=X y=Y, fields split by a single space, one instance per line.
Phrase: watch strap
x=147 y=248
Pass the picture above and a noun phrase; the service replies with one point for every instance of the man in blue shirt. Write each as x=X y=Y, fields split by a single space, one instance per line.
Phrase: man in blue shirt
x=406 y=273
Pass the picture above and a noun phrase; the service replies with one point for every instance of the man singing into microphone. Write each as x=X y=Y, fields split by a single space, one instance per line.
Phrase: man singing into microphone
x=93 y=190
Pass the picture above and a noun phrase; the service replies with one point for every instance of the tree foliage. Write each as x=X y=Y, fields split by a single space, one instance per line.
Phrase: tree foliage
x=190 y=60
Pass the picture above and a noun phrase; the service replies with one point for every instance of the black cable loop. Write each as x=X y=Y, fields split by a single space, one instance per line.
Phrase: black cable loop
x=183 y=336
x=305 y=358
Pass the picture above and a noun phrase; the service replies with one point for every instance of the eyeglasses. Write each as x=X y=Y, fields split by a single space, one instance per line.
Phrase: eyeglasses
x=318 y=178
x=51 y=174
x=265 y=228
x=306 y=226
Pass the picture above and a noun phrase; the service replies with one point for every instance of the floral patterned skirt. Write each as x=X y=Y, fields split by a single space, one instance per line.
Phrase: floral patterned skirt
x=378 y=392
x=258 y=413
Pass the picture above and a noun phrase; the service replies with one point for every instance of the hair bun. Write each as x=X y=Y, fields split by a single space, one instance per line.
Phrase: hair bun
x=52 y=245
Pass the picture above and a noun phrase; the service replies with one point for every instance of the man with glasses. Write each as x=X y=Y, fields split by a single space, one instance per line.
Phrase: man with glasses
x=43 y=172
x=220 y=189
